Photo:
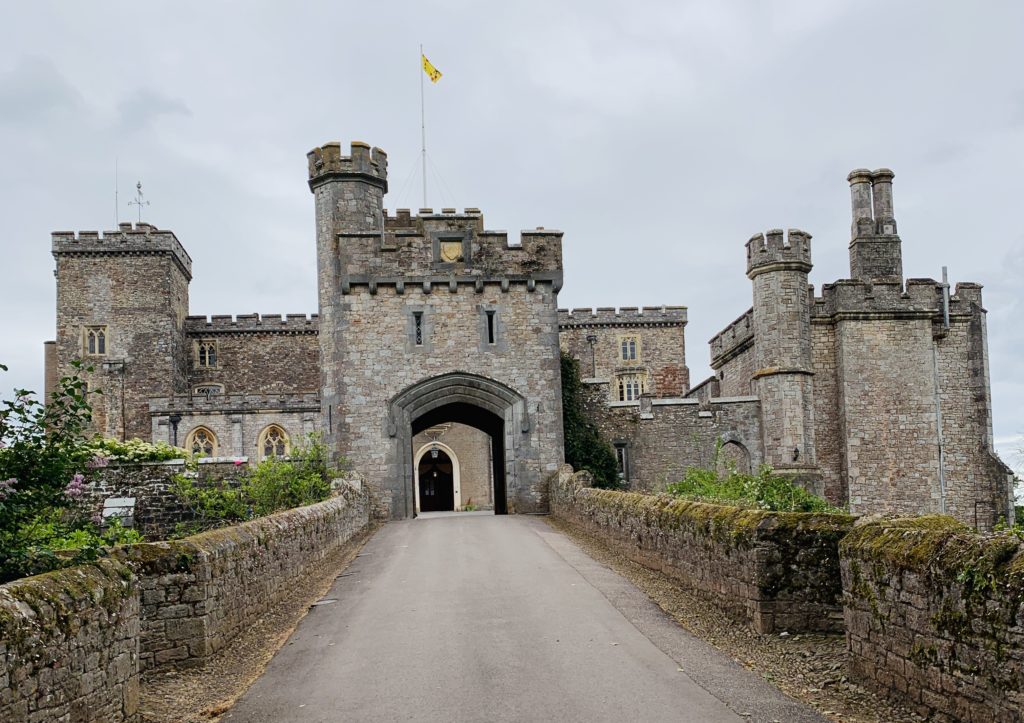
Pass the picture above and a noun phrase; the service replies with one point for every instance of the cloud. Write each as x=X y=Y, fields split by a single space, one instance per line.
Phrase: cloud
x=34 y=92
x=141 y=108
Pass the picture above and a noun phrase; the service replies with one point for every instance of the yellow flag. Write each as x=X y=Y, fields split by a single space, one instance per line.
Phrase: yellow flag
x=433 y=73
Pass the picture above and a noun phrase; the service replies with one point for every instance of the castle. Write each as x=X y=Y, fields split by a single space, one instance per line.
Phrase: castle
x=433 y=363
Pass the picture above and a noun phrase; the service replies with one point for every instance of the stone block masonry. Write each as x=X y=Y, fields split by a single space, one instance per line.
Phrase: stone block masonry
x=73 y=642
x=935 y=617
x=199 y=593
x=69 y=646
x=773 y=570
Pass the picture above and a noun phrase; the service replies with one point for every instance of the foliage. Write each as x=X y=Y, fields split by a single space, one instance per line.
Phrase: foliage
x=114 y=451
x=43 y=524
x=275 y=484
x=584 y=448
x=764 y=490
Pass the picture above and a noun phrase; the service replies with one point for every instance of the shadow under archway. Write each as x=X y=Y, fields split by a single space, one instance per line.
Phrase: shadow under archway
x=487 y=422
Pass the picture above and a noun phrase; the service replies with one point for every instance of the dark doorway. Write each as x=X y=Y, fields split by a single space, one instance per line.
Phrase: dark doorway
x=437 y=482
x=473 y=416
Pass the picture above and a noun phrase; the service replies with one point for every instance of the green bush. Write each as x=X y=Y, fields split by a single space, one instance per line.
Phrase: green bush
x=43 y=451
x=584 y=448
x=275 y=484
x=764 y=490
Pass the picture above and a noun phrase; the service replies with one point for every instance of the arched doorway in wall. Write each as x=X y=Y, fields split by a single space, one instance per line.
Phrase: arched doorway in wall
x=469 y=399
x=437 y=479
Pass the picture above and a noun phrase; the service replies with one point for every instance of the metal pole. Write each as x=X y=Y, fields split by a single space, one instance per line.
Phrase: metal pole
x=423 y=130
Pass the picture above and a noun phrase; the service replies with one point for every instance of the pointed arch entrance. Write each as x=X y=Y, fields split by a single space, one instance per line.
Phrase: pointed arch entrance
x=469 y=399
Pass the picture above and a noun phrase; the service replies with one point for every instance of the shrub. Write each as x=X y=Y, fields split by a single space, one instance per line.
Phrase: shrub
x=43 y=452
x=114 y=451
x=764 y=490
x=584 y=448
x=275 y=484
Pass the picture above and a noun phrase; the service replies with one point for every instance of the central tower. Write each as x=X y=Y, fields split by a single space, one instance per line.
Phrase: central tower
x=431 y=319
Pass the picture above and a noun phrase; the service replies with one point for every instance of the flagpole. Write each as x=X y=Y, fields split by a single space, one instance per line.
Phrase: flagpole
x=423 y=130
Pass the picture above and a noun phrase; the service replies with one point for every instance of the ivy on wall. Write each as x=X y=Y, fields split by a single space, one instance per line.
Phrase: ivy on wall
x=584 y=447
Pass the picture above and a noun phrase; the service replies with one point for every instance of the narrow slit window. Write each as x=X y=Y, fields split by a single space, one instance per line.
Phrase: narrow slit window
x=491 y=331
x=417 y=320
x=622 y=461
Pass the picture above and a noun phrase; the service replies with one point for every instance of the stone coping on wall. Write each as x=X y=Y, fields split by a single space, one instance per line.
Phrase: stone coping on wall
x=200 y=592
x=934 y=616
x=69 y=645
x=774 y=570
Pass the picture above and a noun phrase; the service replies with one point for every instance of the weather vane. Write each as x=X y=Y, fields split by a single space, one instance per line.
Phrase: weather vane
x=139 y=201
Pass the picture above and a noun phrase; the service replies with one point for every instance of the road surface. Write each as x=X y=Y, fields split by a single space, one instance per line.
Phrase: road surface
x=473 y=617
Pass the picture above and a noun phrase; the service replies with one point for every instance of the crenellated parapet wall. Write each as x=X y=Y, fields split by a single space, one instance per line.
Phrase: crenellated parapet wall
x=326 y=163
x=917 y=298
x=128 y=239
x=627 y=316
x=777 y=251
x=733 y=340
x=251 y=324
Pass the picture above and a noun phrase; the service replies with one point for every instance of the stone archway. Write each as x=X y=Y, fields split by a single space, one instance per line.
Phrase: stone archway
x=470 y=399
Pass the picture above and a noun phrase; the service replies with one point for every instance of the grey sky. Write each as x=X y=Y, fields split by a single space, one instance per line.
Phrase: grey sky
x=658 y=135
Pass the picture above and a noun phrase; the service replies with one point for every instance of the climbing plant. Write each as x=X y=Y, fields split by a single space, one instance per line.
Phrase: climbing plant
x=584 y=447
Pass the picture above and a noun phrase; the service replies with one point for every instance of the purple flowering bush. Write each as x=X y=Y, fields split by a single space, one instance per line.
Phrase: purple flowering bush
x=43 y=452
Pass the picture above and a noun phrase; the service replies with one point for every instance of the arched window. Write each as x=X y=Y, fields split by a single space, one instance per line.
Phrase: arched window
x=202 y=441
x=273 y=442
x=206 y=353
x=96 y=340
x=631 y=386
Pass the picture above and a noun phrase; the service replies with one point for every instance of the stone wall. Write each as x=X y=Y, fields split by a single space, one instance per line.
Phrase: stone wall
x=935 y=617
x=157 y=509
x=594 y=337
x=199 y=593
x=257 y=354
x=69 y=646
x=775 y=571
x=664 y=437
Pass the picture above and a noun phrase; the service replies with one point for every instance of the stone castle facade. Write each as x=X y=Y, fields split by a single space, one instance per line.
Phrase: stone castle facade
x=433 y=363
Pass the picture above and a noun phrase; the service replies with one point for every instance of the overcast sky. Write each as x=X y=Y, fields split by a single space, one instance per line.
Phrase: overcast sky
x=658 y=135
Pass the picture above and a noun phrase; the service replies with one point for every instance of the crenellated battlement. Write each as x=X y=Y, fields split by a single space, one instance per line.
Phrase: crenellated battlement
x=626 y=316
x=733 y=339
x=920 y=298
x=139 y=238
x=776 y=251
x=326 y=163
x=405 y=219
x=226 y=403
x=252 y=323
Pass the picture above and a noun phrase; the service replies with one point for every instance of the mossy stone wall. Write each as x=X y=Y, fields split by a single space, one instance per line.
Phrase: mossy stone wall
x=69 y=646
x=774 y=570
x=199 y=593
x=935 y=616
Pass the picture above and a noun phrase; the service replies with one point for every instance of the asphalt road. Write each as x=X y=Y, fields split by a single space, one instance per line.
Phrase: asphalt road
x=473 y=617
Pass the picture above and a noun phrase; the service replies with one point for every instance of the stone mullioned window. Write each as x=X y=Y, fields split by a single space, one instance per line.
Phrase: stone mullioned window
x=95 y=340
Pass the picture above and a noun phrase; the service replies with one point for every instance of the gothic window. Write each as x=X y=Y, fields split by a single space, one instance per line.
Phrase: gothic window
x=201 y=441
x=631 y=386
x=273 y=442
x=206 y=353
x=630 y=348
x=96 y=340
